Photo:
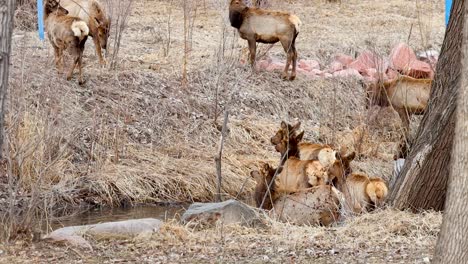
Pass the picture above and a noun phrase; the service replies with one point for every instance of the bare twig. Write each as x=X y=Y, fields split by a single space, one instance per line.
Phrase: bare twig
x=220 y=153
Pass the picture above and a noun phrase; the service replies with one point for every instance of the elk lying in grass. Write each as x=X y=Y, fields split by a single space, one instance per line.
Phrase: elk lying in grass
x=258 y=25
x=65 y=32
x=405 y=94
x=298 y=175
x=362 y=193
x=287 y=141
x=95 y=17
x=265 y=193
x=314 y=206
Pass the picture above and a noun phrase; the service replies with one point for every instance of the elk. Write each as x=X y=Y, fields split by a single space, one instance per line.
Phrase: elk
x=287 y=141
x=65 y=32
x=265 y=193
x=298 y=175
x=313 y=206
x=362 y=193
x=264 y=26
x=95 y=17
x=405 y=94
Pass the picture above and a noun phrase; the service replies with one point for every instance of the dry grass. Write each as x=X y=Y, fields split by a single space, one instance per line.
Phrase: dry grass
x=134 y=135
x=382 y=237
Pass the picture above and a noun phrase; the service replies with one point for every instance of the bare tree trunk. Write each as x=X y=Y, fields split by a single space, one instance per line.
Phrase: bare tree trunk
x=7 y=10
x=422 y=183
x=452 y=245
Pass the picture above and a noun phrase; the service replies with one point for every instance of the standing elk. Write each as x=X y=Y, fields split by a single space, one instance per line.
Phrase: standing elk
x=407 y=96
x=264 y=26
x=95 y=17
x=65 y=32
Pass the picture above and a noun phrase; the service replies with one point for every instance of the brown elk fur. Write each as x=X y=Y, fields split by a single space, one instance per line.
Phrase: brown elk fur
x=314 y=206
x=405 y=94
x=298 y=175
x=264 y=191
x=264 y=26
x=65 y=32
x=95 y=17
x=363 y=193
x=286 y=140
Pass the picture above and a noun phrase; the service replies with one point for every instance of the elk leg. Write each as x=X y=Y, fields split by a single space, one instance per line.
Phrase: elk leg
x=97 y=44
x=294 y=63
x=57 y=58
x=80 y=69
x=287 y=46
x=404 y=116
x=253 y=52
x=72 y=67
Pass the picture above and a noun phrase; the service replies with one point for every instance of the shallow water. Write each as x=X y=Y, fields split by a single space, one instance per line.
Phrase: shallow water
x=99 y=215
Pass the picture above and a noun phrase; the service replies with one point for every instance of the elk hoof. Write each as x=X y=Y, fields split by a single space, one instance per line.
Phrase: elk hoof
x=292 y=77
x=69 y=78
x=81 y=82
x=284 y=76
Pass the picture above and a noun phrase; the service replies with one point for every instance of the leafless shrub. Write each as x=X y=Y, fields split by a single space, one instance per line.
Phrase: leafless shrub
x=119 y=12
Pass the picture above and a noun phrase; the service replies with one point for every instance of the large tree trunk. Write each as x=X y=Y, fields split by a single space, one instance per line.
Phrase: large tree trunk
x=452 y=246
x=7 y=9
x=422 y=183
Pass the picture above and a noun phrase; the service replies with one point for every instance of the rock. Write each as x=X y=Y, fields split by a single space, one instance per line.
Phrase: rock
x=308 y=65
x=335 y=66
x=73 y=240
x=275 y=65
x=420 y=70
x=262 y=64
x=400 y=56
x=368 y=59
x=227 y=212
x=134 y=227
x=348 y=73
x=345 y=60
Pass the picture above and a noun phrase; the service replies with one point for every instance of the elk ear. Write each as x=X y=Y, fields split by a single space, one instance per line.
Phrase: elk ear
x=337 y=155
x=296 y=126
x=284 y=125
x=351 y=156
x=255 y=175
x=300 y=136
x=97 y=22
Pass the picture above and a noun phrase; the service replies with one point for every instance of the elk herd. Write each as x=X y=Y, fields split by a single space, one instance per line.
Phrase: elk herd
x=314 y=183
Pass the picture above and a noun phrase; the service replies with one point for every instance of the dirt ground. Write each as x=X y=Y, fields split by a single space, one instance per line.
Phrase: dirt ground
x=382 y=237
x=135 y=134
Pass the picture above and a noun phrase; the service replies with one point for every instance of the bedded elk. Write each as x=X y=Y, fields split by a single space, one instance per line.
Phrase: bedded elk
x=264 y=26
x=95 y=17
x=265 y=193
x=362 y=193
x=65 y=32
x=286 y=140
x=318 y=205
